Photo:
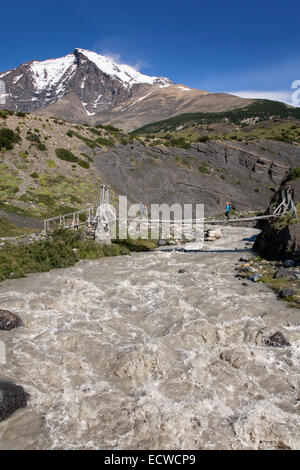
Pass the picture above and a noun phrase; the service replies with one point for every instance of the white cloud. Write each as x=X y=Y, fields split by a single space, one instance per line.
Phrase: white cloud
x=116 y=58
x=279 y=95
x=107 y=47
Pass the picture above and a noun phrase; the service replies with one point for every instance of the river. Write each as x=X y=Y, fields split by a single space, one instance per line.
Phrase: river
x=128 y=353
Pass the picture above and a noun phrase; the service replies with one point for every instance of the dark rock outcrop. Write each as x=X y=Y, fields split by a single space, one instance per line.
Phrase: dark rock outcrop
x=277 y=340
x=12 y=397
x=280 y=239
x=9 y=320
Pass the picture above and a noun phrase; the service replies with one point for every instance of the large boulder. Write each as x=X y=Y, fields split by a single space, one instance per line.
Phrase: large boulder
x=12 y=397
x=9 y=320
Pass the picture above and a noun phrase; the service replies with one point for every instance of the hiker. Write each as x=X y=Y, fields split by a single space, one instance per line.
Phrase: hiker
x=227 y=209
x=141 y=209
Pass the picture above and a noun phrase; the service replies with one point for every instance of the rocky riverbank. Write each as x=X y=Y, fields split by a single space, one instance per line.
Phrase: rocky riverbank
x=282 y=277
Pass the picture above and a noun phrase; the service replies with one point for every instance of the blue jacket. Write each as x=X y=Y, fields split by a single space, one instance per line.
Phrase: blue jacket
x=227 y=208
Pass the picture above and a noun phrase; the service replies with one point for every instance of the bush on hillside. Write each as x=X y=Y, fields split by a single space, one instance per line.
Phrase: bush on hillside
x=8 y=138
x=294 y=174
x=84 y=164
x=66 y=155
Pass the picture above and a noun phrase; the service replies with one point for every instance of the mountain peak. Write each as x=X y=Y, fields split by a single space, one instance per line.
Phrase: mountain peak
x=97 y=80
x=123 y=72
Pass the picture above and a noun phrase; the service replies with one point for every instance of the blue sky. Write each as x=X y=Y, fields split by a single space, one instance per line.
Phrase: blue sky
x=252 y=48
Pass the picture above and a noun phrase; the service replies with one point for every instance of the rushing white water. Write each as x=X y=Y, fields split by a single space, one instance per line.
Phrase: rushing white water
x=126 y=353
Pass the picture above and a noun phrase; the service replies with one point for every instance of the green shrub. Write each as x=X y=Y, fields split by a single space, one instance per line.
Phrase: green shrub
x=105 y=142
x=8 y=138
x=41 y=146
x=61 y=249
x=35 y=138
x=108 y=128
x=90 y=143
x=294 y=174
x=90 y=159
x=5 y=112
x=179 y=142
x=203 y=169
x=21 y=114
x=84 y=164
x=136 y=245
x=34 y=175
x=204 y=138
x=65 y=154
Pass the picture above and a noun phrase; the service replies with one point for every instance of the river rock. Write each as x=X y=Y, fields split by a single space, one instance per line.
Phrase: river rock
x=181 y=271
x=282 y=272
x=162 y=243
x=288 y=263
x=9 y=320
x=245 y=258
x=255 y=277
x=213 y=235
x=249 y=269
x=12 y=397
x=285 y=273
x=284 y=293
x=277 y=340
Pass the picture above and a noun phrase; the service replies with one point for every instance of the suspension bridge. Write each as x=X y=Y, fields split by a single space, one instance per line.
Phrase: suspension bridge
x=102 y=217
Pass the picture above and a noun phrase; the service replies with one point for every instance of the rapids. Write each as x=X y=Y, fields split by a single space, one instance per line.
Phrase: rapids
x=127 y=353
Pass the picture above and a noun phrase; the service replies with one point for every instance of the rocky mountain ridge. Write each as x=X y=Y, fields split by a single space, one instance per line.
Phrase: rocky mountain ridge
x=96 y=80
x=86 y=87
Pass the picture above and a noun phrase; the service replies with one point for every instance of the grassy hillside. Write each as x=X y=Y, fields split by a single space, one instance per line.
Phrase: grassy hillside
x=46 y=165
x=50 y=167
x=261 y=110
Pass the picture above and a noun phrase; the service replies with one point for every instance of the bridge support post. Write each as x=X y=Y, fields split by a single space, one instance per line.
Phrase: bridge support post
x=102 y=234
x=286 y=204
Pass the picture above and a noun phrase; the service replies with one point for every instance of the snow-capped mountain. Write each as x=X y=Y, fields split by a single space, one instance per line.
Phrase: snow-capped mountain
x=91 y=81
x=86 y=87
